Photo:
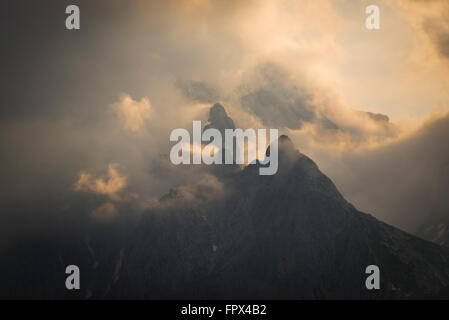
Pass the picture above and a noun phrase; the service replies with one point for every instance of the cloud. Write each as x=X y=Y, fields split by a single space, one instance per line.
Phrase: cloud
x=207 y=188
x=306 y=67
x=431 y=32
x=309 y=110
x=133 y=114
x=107 y=212
x=438 y=32
x=276 y=99
x=110 y=186
x=404 y=182
x=199 y=91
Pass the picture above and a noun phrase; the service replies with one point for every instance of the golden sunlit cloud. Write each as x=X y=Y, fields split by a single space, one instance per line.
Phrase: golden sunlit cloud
x=109 y=186
x=132 y=113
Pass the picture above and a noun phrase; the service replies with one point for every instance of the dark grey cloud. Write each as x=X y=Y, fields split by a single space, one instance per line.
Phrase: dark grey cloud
x=199 y=91
x=277 y=101
x=438 y=32
x=405 y=183
x=284 y=99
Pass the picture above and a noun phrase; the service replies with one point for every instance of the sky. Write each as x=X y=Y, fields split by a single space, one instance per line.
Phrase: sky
x=86 y=114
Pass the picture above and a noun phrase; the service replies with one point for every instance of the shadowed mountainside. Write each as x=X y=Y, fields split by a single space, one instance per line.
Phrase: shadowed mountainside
x=287 y=236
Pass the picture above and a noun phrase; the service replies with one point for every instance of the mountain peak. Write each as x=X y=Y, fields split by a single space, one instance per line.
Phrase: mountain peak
x=286 y=149
x=219 y=119
x=285 y=142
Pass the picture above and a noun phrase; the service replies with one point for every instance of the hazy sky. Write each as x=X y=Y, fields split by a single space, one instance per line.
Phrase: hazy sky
x=86 y=114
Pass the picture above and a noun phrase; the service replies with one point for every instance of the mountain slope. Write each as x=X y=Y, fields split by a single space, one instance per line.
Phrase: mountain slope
x=287 y=236
x=290 y=235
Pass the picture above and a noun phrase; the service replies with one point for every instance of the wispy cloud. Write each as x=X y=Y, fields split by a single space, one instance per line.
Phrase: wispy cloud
x=132 y=113
x=110 y=186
